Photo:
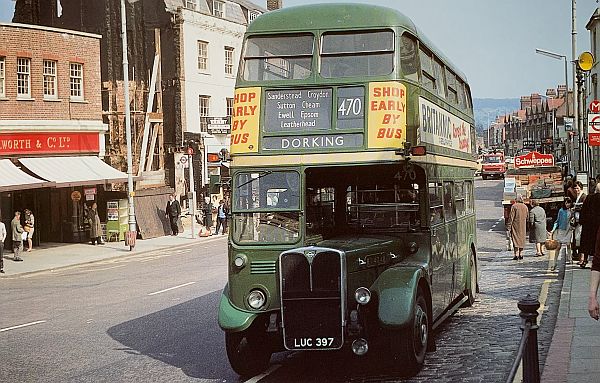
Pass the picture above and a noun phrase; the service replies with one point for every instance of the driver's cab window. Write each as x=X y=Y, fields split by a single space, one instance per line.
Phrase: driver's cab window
x=268 y=190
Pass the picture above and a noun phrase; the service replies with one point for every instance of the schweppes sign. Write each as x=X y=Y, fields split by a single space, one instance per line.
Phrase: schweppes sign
x=533 y=160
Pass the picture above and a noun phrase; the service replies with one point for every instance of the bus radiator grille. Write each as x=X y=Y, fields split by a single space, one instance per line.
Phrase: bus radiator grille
x=311 y=294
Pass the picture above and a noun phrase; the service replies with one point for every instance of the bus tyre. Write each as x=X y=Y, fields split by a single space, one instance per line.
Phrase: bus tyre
x=248 y=354
x=471 y=288
x=410 y=346
x=484 y=177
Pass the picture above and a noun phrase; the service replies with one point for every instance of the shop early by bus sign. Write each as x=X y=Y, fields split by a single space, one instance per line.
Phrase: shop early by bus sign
x=48 y=143
x=533 y=160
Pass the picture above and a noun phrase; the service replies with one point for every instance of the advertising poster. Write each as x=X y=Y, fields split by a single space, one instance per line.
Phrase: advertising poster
x=245 y=123
x=387 y=115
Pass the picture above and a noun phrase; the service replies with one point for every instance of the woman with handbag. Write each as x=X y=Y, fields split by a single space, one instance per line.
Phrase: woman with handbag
x=538 y=233
x=562 y=230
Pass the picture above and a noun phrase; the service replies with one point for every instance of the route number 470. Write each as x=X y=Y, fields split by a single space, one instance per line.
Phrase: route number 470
x=350 y=106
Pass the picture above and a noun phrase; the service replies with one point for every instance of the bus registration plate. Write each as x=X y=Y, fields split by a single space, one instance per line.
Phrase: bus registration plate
x=311 y=343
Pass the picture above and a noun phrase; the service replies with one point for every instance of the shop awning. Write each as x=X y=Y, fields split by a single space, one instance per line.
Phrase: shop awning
x=13 y=178
x=73 y=171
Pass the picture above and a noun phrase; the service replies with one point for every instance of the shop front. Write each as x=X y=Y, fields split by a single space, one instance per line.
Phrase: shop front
x=58 y=176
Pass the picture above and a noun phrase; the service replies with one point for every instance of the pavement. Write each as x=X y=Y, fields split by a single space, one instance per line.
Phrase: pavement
x=573 y=355
x=53 y=256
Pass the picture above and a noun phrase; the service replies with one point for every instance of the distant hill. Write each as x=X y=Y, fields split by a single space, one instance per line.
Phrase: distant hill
x=486 y=110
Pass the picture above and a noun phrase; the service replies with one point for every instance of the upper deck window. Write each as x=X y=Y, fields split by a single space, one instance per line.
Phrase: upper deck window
x=283 y=57
x=357 y=54
x=409 y=58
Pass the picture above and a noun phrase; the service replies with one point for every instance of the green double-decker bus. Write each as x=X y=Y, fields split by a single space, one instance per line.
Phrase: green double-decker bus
x=353 y=222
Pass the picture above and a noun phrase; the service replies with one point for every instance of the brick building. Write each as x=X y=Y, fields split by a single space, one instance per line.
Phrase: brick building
x=51 y=129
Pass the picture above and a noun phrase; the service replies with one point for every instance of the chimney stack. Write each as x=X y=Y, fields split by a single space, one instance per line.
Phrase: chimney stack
x=273 y=5
x=536 y=99
x=551 y=93
x=525 y=102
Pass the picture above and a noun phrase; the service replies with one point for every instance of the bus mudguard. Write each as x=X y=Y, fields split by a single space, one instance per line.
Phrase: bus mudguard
x=396 y=288
x=230 y=317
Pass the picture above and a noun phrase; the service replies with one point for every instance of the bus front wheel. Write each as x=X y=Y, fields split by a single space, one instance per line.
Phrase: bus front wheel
x=410 y=346
x=248 y=354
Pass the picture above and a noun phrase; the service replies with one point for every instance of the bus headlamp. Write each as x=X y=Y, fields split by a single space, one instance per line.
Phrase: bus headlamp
x=256 y=299
x=240 y=261
x=362 y=295
x=413 y=247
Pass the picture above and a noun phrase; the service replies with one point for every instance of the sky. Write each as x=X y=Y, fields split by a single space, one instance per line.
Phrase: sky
x=493 y=42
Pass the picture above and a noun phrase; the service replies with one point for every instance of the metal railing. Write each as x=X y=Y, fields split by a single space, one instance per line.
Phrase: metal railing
x=528 y=348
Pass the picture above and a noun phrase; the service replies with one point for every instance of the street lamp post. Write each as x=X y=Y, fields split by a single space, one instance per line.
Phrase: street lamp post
x=132 y=232
x=557 y=56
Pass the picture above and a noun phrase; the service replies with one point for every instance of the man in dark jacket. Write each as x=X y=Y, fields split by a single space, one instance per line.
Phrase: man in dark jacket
x=173 y=211
x=590 y=222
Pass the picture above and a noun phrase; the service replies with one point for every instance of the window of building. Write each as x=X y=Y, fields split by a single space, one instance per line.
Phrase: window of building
x=191 y=4
x=2 y=77
x=50 y=79
x=76 y=80
x=202 y=55
x=252 y=15
x=203 y=108
x=229 y=60
x=229 y=106
x=218 y=8
x=23 y=77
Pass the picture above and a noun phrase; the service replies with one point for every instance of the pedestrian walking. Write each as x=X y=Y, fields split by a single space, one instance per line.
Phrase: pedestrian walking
x=95 y=225
x=2 y=238
x=207 y=210
x=562 y=230
x=222 y=213
x=172 y=212
x=17 y=236
x=576 y=253
x=29 y=223
x=538 y=233
x=589 y=219
x=517 y=226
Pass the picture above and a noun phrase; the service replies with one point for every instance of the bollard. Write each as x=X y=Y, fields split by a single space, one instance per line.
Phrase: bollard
x=531 y=364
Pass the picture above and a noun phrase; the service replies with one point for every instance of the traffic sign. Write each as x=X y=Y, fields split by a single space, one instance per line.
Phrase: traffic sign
x=595 y=106
x=594 y=129
x=190 y=151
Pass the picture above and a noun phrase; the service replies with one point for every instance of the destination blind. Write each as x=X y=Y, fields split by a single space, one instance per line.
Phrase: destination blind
x=298 y=110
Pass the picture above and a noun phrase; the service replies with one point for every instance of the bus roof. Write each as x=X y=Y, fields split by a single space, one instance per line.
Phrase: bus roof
x=341 y=16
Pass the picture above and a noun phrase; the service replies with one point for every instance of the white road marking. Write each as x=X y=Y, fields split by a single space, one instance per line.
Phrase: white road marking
x=22 y=325
x=257 y=378
x=172 y=288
